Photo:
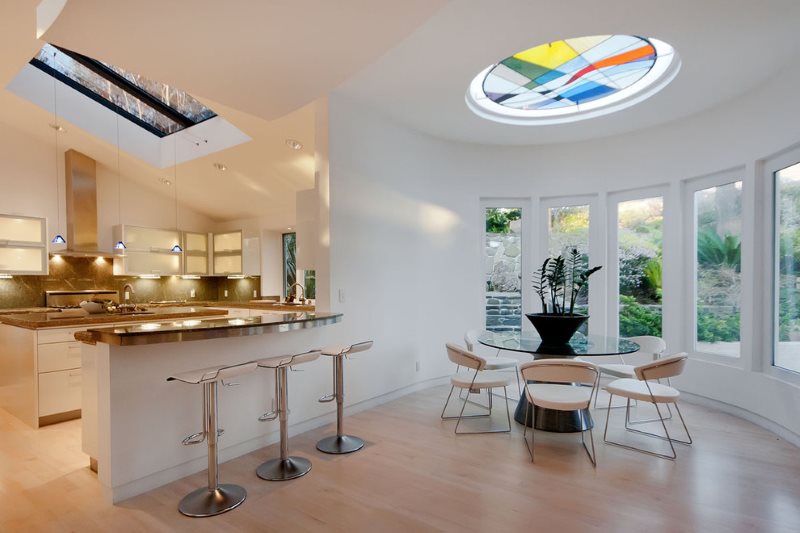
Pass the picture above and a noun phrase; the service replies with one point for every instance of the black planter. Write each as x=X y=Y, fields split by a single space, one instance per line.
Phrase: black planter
x=556 y=330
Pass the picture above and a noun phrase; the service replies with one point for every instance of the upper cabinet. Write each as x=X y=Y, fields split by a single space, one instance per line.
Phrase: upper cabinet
x=228 y=254
x=148 y=251
x=23 y=245
x=234 y=255
x=195 y=253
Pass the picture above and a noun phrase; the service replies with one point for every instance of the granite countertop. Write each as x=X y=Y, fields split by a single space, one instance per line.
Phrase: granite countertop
x=211 y=328
x=79 y=317
x=264 y=305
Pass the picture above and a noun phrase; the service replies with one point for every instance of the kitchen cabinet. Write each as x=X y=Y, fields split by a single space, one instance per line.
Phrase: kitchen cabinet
x=195 y=253
x=227 y=254
x=148 y=252
x=234 y=255
x=23 y=245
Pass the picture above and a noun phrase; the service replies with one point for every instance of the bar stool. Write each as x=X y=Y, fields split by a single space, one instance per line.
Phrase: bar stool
x=285 y=467
x=216 y=498
x=340 y=443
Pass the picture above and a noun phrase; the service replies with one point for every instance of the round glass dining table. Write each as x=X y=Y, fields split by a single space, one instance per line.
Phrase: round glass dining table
x=584 y=346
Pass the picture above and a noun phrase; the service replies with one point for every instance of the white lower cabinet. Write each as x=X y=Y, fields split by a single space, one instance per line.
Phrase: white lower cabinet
x=59 y=392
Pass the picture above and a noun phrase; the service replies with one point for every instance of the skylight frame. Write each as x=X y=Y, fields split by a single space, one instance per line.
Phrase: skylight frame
x=120 y=82
x=664 y=69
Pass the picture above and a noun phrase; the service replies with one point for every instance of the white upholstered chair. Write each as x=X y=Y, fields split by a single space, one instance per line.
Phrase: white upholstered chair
x=474 y=380
x=645 y=387
x=492 y=363
x=650 y=349
x=563 y=385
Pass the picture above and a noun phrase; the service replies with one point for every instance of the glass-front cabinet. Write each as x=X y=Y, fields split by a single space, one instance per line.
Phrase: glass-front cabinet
x=148 y=251
x=23 y=245
x=195 y=253
x=228 y=253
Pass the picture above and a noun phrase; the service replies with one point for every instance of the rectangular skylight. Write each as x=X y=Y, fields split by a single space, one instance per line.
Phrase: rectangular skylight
x=159 y=108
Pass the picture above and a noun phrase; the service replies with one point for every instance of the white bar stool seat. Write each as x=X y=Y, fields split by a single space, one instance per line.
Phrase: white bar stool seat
x=340 y=443
x=285 y=467
x=216 y=498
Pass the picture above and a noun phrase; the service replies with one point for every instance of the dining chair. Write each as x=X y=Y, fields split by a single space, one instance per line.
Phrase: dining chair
x=563 y=385
x=474 y=382
x=650 y=349
x=496 y=362
x=647 y=389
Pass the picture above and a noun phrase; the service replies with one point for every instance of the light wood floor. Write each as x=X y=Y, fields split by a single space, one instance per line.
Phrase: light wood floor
x=415 y=475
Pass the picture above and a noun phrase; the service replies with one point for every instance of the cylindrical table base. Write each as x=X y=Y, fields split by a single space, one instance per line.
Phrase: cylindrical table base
x=284 y=469
x=204 y=502
x=340 y=444
x=551 y=419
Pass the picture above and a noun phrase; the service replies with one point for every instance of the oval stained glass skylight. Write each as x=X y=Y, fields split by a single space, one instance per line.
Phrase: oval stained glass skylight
x=573 y=79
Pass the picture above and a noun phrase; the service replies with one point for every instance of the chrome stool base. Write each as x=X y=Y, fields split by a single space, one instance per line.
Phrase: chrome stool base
x=204 y=502
x=340 y=444
x=284 y=469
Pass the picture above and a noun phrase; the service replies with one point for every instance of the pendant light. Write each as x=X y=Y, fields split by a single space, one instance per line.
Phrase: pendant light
x=120 y=246
x=58 y=239
x=177 y=248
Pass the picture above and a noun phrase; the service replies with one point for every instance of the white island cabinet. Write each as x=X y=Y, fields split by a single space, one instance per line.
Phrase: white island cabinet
x=137 y=419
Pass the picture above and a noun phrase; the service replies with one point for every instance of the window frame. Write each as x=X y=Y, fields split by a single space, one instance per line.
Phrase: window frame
x=612 y=250
x=688 y=188
x=769 y=233
x=526 y=228
x=597 y=287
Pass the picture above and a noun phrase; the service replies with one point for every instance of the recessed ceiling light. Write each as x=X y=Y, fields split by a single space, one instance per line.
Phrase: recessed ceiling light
x=58 y=127
x=289 y=228
x=294 y=144
x=165 y=181
x=220 y=167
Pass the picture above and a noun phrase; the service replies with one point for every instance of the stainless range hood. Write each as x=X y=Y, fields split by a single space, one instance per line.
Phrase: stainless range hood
x=81 y=197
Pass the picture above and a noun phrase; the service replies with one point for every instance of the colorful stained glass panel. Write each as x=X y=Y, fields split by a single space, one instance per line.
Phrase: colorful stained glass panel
x=569 y=72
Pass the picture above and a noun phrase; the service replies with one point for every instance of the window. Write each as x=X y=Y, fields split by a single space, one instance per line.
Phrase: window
x=571 y=79
x=568 y=228
x=503 y=268
x=639 y=252
x=718 y=264
x=290 y=272
x=787 y=269
x=159 y=108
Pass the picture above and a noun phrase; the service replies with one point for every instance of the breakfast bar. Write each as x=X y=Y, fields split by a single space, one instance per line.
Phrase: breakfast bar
x=134 y=421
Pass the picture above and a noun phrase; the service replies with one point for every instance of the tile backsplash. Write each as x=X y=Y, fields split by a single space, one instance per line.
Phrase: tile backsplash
x=81 y=273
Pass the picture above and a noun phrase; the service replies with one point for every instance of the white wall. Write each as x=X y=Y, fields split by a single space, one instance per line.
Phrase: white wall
x=28 y=187
x=406 y=229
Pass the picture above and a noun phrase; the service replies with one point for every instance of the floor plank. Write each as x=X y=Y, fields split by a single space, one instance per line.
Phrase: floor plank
x=416 y=475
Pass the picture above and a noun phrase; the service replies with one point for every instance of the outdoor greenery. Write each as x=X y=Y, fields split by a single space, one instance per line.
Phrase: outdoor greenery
x=498 y=219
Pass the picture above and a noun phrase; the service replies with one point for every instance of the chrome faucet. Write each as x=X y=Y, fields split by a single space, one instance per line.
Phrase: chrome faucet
x=290 y=298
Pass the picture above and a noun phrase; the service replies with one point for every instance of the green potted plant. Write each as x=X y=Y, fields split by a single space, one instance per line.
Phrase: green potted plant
x=558 y=283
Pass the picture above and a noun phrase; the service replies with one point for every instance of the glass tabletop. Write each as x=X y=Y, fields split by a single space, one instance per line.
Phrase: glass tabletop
x=583 y=345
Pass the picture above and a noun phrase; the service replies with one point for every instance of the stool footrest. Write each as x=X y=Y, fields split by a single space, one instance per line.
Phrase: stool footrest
x=327 y=398
x=194 y=438
x=268 y=416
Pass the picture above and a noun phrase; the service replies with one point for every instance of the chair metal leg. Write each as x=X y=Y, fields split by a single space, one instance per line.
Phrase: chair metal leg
x=466 y=400
x=593 y=455
x=525 y=431
x=670 y=440
x=340 y=443
x=285 y=467
x=213 y=499
x=461 y=417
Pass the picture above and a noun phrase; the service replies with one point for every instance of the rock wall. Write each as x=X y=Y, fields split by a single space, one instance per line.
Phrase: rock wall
x=503 y=281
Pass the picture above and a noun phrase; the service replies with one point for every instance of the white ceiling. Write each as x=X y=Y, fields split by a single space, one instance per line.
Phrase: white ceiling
x=727 y=46
x=261 y=64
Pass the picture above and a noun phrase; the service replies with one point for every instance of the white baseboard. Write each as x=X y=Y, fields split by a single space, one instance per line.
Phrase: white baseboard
x=153 y=481
x=769 y=425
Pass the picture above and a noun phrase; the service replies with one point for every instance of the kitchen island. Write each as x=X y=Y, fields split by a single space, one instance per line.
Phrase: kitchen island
x=134 y=420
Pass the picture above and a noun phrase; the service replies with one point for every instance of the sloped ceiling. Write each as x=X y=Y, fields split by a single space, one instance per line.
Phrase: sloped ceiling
x=265 y=57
